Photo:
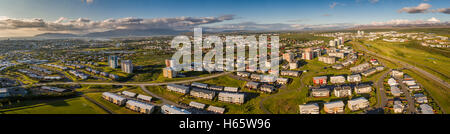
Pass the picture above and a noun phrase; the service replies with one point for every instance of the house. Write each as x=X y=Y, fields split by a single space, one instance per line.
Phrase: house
x=392 y=82
x=426 y=109
x=321 y=80
x=178 y=88
x=360 y=67
x=369 y=72
x=267 y=88
x=129 y=94
x=406 y=77
x=337 y=79
x=140 y=107
x=320 y=92
x=414 y=88
x=327 y=59
x=358 y=103
x=363 y=89
x=144 y=98
x=243 y=74
x=309 y=108
x=231 y=89
x=256 y=77
x=398 y=106
x=238 y=98
x=216 y=88
x=290 y=73
x=199 y=85
x=114 y=98
x=168 y=72
x=252 y=85
x=282 y=81
x=170 y=109
x=420 y=98
x=334 y=107
x=354 y=78
x=344 y=91
x=395 y=91
x=397 y=74
x=215 y=109
x=202 y=93
x=410 y=82
x=197 y=105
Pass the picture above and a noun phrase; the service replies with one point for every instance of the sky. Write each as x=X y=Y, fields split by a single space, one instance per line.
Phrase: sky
x=31 y=17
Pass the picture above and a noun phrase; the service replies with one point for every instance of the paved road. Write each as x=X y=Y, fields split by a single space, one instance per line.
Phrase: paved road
x=411 y=108
x=381 y=94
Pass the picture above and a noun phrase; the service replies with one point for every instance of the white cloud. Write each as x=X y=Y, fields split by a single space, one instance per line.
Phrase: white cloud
x=88 y=1
x=405 y=22
x=421 y=8
x=84 y=25
x=332 y=5
x=443 y=10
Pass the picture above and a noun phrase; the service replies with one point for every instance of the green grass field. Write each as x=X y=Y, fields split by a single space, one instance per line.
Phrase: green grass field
x=78 y=105
x=429 y=59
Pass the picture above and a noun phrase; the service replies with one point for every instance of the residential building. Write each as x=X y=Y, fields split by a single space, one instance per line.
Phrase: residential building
x=140 y=107
x=169 y=72
x=231 y=89
x=343 y=91
x=369 y=72
x=290 y=73
x=392 y=82
x=420 y=98
x=178 y=88
x=114 y=98
x=360 y=67
x=320 y=92
x=363 y=89
x=256 y=77
x=129 y=94
x=397 y=74
x=170 y=109
x=307 y=54
x=243 y=74
x=395 y=91
x=55 y=89
x=398 y=107
x=334 y=107
x=327 y=59
x=337 y=79
x=426 y=109
x=199 y=85
x=144 y=98
x=216 y=88
x=354 y=78
x=127 y=66
x=252 y=85
x=113 y=61
x=358 y=103
x=282 y=81
x=232 y=97
x=197 y=105
x=268 y=88
x=203 y=93
x=289 y=57
x=215 y=109
x=293 y=65
x=321 y=80
x=309 y=108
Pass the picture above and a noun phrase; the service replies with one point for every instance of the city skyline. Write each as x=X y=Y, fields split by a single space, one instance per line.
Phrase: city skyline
x=28 y=18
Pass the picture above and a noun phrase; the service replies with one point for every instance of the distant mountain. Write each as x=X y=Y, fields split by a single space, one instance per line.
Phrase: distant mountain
x=114 y=33
x=56 y=35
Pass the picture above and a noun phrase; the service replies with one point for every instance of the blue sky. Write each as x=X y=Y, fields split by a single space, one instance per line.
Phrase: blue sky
x=305 y=12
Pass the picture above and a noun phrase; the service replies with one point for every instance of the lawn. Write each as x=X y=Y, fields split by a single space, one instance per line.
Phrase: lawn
x=78 y=105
